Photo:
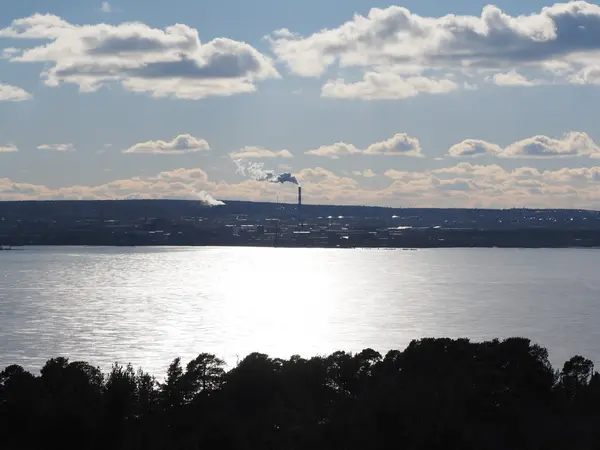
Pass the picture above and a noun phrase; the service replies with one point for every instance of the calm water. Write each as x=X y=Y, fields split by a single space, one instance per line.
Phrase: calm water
x=148 y=305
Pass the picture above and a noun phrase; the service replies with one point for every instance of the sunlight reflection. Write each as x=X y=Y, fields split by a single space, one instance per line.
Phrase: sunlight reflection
x=149 y=305
x=280 y=301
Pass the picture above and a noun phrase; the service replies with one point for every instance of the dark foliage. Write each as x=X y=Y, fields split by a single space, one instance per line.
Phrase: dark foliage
x=436 y=394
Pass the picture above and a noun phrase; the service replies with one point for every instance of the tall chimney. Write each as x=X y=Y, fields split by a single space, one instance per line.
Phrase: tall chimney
x=300 y=206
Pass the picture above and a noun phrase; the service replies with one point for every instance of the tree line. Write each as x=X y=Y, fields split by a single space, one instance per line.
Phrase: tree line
x=435 y=394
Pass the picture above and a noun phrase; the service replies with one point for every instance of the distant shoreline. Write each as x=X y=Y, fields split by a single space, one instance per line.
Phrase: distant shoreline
x=162 y=245
x=248 y=224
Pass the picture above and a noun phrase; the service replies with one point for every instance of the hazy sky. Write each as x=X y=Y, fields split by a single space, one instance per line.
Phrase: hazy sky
x=426 y=103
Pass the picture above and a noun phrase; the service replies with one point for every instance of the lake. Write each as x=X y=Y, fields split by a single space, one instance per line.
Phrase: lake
x=148 y=305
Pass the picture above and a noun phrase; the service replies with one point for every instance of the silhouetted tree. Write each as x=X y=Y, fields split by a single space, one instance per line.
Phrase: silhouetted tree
x=576 y=374
x=203 y=374
x=436 y=394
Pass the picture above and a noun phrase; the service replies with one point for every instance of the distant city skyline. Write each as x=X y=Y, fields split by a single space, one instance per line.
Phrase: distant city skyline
x=460 y=104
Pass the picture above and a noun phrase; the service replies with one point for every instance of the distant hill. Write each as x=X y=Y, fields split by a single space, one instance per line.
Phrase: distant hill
x=175 y=209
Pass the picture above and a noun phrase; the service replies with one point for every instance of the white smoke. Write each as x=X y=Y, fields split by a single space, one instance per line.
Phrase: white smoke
x=257 y=172
x=208 y=199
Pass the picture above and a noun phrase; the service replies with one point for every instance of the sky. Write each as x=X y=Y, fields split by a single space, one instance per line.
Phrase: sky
x=413 y=104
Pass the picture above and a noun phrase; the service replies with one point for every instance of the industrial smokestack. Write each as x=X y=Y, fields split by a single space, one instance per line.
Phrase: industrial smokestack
x=300 y=206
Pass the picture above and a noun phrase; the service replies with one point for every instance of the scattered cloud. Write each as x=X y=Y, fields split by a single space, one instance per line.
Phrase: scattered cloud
x=474 y=147
x=57 y=147
x=465 y=168
x=368 y=173
x=386 y=86
x=183 y=143
x=9 y=52
x=572 y=144
x=402 y=175
x=10 y=148
x=284 y=33
x=557 y=42
x=106 y=7
x=463 y=185
x=398 y=145
x=512 y=78
x=334 y=151
x=170 y=62
x=10 y=93
x=252 y=152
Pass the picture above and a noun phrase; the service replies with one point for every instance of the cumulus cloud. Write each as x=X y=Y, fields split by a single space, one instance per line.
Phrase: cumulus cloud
x=162 y=62
x=512 y=78
x=183 y=143
x=559 y=40
x=495 y=186
x=57 y=147
x=10 y=93
x=9 y=52
x=368 y=173
x=400 y=144
x=386 y=86
x=586 y=75
x=491 y=171
x=474 y=147
x=572 y=144
x=8 y=148
x=320 y=178
x=252 y=152
x=334 y=151
x=463 y=185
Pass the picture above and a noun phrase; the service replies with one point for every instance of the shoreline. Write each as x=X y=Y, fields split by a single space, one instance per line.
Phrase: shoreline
x=413 y=248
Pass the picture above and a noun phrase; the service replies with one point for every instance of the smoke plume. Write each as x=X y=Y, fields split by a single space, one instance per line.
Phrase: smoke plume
x=257 y=172
x=208 y=199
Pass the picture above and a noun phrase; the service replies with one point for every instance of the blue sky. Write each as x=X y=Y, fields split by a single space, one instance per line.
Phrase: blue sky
x=401 y=105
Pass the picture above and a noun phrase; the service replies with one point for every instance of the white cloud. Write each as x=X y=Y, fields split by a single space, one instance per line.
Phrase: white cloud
x=559 y=40
x=474 y=147
x=10 y=93
x=386 y=86
x=400 y=144
x=463 y=185
x=57 y=147
x=10 y=52
x=334 y=151
x=368 y=173
x=170 y=62
x=252 y=152
x=491 y=171
x=8 y=148
x=106 y=7
x=512 y=78
x=572 y=144
x=284 y=33
x=586 y=75
x=183 y=143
